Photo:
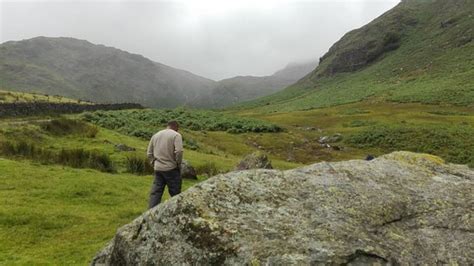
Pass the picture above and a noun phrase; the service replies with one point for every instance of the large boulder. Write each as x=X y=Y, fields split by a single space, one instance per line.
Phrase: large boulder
x=187 y=171
x=256 y=160
x=401 y=208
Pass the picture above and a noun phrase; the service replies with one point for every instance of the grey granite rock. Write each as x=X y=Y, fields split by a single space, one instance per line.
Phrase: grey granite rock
x=401 y=208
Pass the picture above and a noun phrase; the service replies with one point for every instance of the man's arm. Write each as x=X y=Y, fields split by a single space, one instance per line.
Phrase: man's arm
x=149 y=153
x=178 y=149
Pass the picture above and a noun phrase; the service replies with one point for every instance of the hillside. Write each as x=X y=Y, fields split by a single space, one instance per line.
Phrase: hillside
x=242 y=88
x=420 y=51
x=82 y=70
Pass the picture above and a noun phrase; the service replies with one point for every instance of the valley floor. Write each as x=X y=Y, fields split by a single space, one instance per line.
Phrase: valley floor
x=55 y=214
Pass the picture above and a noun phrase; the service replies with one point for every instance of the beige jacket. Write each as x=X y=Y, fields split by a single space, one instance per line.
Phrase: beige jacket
x=165 y=150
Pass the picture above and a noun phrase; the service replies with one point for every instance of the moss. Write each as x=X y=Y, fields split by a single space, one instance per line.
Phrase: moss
x=421 y=159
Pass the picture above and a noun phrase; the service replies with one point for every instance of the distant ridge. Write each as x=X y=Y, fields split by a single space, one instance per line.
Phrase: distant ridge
x=79 y=69
x=242 y=88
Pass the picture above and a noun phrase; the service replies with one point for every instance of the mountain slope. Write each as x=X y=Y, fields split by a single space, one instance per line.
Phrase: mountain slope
x=241 y=88
x=420 y=51
x=79 y=69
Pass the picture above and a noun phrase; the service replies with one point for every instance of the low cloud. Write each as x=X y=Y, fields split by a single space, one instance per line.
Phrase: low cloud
x=215 y=39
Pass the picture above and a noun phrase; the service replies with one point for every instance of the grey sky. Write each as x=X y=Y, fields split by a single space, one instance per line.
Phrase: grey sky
x=213 y=38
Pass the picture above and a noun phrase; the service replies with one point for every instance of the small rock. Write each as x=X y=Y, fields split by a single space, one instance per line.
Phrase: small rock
x=187 y=170
x=330 y=139
x=123 y=147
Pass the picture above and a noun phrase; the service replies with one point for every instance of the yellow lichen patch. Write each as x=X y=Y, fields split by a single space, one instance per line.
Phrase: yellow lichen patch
x=255 y=262
x=419 y=159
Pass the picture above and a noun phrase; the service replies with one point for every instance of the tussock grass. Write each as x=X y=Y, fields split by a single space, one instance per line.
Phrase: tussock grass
x=138 y=165
x=78 y=158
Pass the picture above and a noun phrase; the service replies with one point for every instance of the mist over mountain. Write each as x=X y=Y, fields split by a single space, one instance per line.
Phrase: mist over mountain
x=79 y=69
x=243 y=88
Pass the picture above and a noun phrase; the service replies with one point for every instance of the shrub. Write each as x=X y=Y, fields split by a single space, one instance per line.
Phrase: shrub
x=209 y=169
x=77 y=158
x=138 y=165
x=64 y=126
x=91 y=132
x=101 y=162
x=21 y=148
x=144 y=123
x=8 y=148
x=455 y=144
x=191 y=144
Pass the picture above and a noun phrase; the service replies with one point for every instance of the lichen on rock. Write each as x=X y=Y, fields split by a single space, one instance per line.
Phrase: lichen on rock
x=401 y=208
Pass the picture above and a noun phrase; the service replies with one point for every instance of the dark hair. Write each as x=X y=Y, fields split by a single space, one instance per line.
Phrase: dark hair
x=173 y=123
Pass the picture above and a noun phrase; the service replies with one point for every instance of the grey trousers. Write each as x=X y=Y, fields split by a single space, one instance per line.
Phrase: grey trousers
x=171 y=178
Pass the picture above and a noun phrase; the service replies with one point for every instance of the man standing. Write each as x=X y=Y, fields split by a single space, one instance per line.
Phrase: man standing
x=165 y=153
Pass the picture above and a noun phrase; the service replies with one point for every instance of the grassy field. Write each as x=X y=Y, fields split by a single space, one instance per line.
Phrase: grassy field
x=55 y=214
x=443 y=130
x=51 y=214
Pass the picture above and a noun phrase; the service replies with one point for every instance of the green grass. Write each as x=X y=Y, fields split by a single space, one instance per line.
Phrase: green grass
x=223 y=148
x=417 y=121
x=53 y=214
x=60 y=215
x=455 y=143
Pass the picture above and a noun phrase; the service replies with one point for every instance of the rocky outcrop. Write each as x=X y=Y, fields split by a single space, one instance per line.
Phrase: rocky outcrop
x=401 y=208
x=359 y=48
x=256 y=160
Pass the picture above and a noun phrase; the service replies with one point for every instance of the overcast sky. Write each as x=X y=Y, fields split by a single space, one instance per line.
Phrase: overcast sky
x=213 y=38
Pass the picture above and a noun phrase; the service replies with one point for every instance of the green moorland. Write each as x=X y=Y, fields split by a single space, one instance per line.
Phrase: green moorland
x=420 y=51
x=65 y=188
x=58 y=212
